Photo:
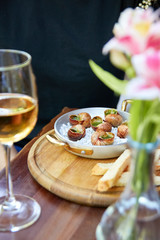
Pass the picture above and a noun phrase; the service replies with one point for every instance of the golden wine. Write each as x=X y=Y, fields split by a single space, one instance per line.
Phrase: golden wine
x=18 y=116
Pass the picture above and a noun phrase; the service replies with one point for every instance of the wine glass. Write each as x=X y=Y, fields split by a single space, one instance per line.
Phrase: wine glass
x=18 y=116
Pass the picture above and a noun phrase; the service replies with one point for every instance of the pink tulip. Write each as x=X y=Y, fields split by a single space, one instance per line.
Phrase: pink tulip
x=147 y=84
x=136 y=31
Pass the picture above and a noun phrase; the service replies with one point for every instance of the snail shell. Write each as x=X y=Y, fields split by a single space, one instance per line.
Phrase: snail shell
x=81 y=118
x=113 y=117
x=76 y=132
x=122 y=130
x=102 y=138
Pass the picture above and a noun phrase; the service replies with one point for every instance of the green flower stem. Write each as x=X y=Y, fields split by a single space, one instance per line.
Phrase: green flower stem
x=141 y=178
x=126 y=224
x=144 y=123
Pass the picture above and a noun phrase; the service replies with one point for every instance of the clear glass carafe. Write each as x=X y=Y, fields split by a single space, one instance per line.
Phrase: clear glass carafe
x=133 y=216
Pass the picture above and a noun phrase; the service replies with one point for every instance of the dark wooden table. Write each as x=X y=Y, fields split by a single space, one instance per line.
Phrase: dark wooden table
x=60 y=219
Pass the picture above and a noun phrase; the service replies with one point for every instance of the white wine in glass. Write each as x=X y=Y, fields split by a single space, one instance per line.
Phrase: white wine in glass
x=18 y=116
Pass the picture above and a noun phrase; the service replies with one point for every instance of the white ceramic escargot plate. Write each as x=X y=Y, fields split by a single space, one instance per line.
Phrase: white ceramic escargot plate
x=84 y=146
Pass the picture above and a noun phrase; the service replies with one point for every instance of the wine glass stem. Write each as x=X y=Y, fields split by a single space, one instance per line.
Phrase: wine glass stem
x=10 y=199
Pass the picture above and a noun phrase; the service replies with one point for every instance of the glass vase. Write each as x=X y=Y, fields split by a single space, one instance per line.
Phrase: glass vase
x=133 y=216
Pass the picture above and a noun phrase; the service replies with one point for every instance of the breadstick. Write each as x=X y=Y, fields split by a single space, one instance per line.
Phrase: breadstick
x=157 y=155
x=101 y=168
x=114 y=172
x=123 y=180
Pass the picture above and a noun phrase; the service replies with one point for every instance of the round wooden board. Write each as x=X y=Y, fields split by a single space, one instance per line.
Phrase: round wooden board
x=67 y=175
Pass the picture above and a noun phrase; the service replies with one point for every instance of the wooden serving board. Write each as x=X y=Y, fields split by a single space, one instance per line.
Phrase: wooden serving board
x=67 y=175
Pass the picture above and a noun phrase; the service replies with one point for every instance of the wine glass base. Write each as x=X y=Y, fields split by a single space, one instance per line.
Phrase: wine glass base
x=24 y=213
